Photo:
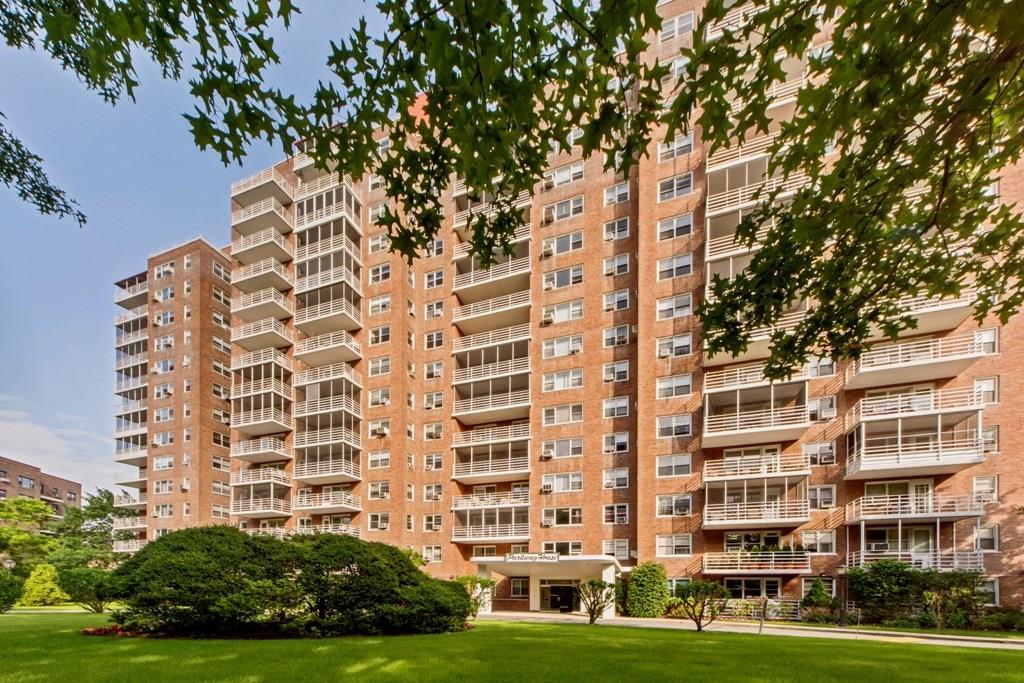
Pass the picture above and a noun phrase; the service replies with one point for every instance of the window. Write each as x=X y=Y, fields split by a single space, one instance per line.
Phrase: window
x=562 y=516
x=563 y=346
x=519 y=587
x=380 y=366
x=164 y=342
x=163 y=462
x=433 y=340
x=823 y=408
x=431 y=522
x=432 y=492
x=676 y=465
x=988 y=591
x=676 y=186
x=673 y=27
x=563 y=547
x=221 y=488
x=221 y=272
x=163 y=414
x=163 y=510
x=218 y=463
x=674 y=385
x=563 y=414
x=564 y=481
x=821 y=497
x=616 y=547
x=566 y=277
x=676 y=266
x=988 y=340
x=674 y=307
x=673 y=545
x=988 y=388
x=676 y=147
x=433 y=400
x=617 y=229
x=164 y=294
x=163 y=438
x=379 y=243
x=565 y=379
x=221 y=440
x=433 y=370
x=221 y=296
x=221 y=368
x=563 y=312
x=377 y=212
x=433 y=309
x=807 y=583
x=990 y=438
x=380 y=335
x=435 y=248
x=616 y=336
x=164 y=270
x=380 y=273
x=615 y=478
x=163 y=486
x=820 y=367
x=674 y=505
x=432 y=431
x=676 y=226
x=616 y=265
x=674 y=426
x=163 y=366
x=431 y=553
x=616 y=194
x=380 y=490
x=561 y=244
x=823 y=453
x=379 y=521
x=987 y=539
x=821 y=541
x=562 y=448
x=617 y=300
x=380 y=304
x=380 y=397
x=563 y=209
x=616 y=407
x=679 y=345
x=379 y=460
x=563 y=175
x=617 y=442
x=433 y=279
x=616 y=513
x=986 y=488
x=484 y=551
x=617 y=371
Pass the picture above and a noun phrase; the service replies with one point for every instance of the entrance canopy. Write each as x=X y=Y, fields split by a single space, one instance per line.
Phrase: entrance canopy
x=550 y=565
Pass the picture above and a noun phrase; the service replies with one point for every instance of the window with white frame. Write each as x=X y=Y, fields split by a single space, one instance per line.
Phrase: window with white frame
x=563 y=175
x=379 y=521
x=677 y=306
x=563 y=448
x=616 y=265
x=379 y=460
x=821 y=497
x=986 y=488
x=617 y=406
x=433 y=462
x=821 y=541
x=433 y=370
x=567 y=516
x=678 y=146
x=433 y=309
x=565 y=277
x=380 y=397
x=431 y=523
x=563 y=482
x=676 y=186
x=615 y=478
x=434 y=248
x=674 y=505
x=433 y=400
x=379 y=243
x=821 y=408
x=563 y=414
x=674 y=385
x=563 y=547
x=674 y=426
x=990 y=438
x=377 y=212
x=617 y=229
x=827 y=582
x=163 y=486
x=675 y=266
x=380 y=273
x=433 y=279
x=676 y=226
x=673 y=545
x=380 y=335
x=987 y=538
x=380 y=490
x=616 y=371
x=379 y=366
x=519 y=587
x=616 y=513
x=562 y=346
x=676 y=345
x=432 y=493
x=379 y=428
x=221 y=296
x=820 y=453
x=431 y=554
x=987 y=388
x=675 y=465
x=563 y=209
x=988 y=591
x=616 y=442
x=673 y=27
x=433 y=431
x=562 y=244
x=380 y=304
x=617 y=300
x=616 y=336
x=616 y=547
x=563 y=379
x=163 y=462
x=433 y=340
x=163 y=414
x=616 y=194
x=563 y=312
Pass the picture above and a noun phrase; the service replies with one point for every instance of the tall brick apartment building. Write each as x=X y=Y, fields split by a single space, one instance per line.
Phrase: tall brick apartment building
x=173 y=378
x=22 y=480
x=554 y=418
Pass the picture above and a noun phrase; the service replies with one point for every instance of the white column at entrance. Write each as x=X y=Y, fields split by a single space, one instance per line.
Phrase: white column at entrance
x=534 y=593
x=485 y=593
x=608 y=576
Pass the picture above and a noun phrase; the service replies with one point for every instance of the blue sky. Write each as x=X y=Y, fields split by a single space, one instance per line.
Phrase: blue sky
x=144 y=187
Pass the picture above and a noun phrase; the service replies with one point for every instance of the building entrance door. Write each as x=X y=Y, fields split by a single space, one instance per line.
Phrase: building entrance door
x=559 y=597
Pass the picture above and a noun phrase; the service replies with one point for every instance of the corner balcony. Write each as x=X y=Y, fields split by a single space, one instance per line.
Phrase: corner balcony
x=506 y=310
x=260 y=508
x=502 y=368
x=256 y=451
x=491 y=533
x=131 y=384
x=501 y=278
x=490 y=500
x=260 y=475
x=930 y=507
x=134 y=314
x=761 y=467
x=916 y=362
x=261 y=421
x=740 y=151
x=493 y=407
x=492 y=470
x=262 y=245
x=125 y=362
x=131 y=429
x=261 y=357
x=137 y=481
x=267 y=213
x=131 y=523
x=328 y=246
x=330 y=405
x=327 y=214
x=267 y=184
x=942 y=402
x=266 y=303
x=934 y=314
x=328 y=436
x=941 y=560
x=733 y=20
x=755 y=515
x=340 y=529
x=133 y=296
x=760 y=341
x=262 y=386
x=131 y=502
x=262 y=334
x=745 y=377
x=916 y=454
x=519 y=431
x=268 y=273
x=326 y=373
x=750 y=195
x=133 y=545
x=780 y=562
x=326 y=471
x=328 y=503
x=330 y=316
x=131 y=338
x=755 y=426
x=326 y=278
x=493 y=338
x=136 y=457
x=333 y=347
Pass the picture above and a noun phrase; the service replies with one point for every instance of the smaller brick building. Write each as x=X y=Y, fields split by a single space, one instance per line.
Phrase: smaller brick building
x=21 y=480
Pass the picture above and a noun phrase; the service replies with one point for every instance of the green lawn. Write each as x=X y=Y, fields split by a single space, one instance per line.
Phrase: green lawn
x=1011 y=635
x=48 y=647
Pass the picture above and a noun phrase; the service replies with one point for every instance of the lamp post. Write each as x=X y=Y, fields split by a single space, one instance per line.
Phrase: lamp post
x=841 y=577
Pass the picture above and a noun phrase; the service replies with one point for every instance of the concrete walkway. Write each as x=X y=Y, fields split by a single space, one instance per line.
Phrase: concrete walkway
x=770 y=630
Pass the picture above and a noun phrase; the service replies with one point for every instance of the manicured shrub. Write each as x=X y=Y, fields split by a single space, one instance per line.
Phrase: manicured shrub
x=702 y=601
x=818 y=606
x=885 y=589
x=10 y=590
x=595 y=596
x=648 y=590
x=41 y=587
x=674 y=608
x=1002 y=619
x=88 y=586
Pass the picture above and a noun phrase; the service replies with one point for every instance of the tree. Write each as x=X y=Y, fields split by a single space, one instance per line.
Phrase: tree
x=648 y=590
x=884 y=588
x=89 y=587
x=84 y=538
x=41 y=587
x=950 y=596
x=478 y=589
x=22 y=542
x=702 y=601
x=596 y=596
x=10 y=590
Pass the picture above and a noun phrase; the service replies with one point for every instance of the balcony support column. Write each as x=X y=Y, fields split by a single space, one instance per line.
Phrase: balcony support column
x=863 y=540
x=899 y=535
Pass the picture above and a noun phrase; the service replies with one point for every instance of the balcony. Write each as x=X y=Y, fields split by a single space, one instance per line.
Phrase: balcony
x=501 y=311
x=463 y=249
x=942 y=402
x=130 y=384
x=915 y=454
x=328 y=436
x=733 y=20
x=755 y=426
x=779 y=562
x=745 y=377
x=493 y=407
x=519 y=431
x=262 y=386
x=941 y=560
x=502 y=368
x=137 y=481
x=326 y=278
x=131 y=502
x=494 y=533
x=326 y=214
x=934 y=314
x=492 y=470
x=330 y=405
x=461 y=218
x=130 y=429
x=134 y=314
x=769 y=466
x=502 y=278
x=133 y=545
x=328 y=503
x=261 y=357
x=754 y=515
x=125 y=362
x=328 y=246
x=136 y=457
x=262 y=245
x=131 y=338
x=760 y=341
x=132 y=523
x=333 y=347
x=267 y=184
x=915 y=362
x=258 y=508
x=327 y=471
x=314 y=184
x=132 y=296
x=493 y=338
x=261 y=275
x=749 y=195
x=741 y=151
x=261 y=421
x=264 y=214
x=929 y=507
x=256 y=451
x=262 y=334
x=266 y=303
x=341 y=529
x=329 y=316
x=278 y=532
x=490 y=500
x=260 y=475
x=327 y=373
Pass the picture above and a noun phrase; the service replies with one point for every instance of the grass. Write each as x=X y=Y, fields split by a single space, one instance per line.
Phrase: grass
x=1010 y=635
x=48 y=647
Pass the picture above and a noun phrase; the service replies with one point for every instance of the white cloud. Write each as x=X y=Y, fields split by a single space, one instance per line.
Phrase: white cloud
x=64 y=445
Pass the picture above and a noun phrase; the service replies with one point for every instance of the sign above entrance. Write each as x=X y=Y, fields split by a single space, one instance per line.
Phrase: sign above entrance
x=531 y=557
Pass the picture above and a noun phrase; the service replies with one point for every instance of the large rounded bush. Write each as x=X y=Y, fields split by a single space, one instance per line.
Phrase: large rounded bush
x=648 y=590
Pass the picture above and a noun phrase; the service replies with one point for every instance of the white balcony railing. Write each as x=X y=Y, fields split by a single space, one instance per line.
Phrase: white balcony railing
x=122 y=293
x=131 y=338
x=325 y=373
x=129 y=523
x=329 y=404
x=326 y=468
x=128 y=361
x=327 y=246
x=785 y=322
x=328 y=308
x=134 y=314
x=516 y=463
x=265 y=326
x=944 y=400
x=942 y=560
x=330 y=435
x=733 y=20
x=483 y=500
x=718 y=513
x=755 y=467
x=490 y=531
x=241 y=506
x=495 y=272
x=130 y=407
x=341 y=529
x=514 y=432
x=795 y=561
x=916 y=450
x=462 y=216
x=324 y=182
x=268 y=205
x=125 y=500
x=773 y=418
x=749 y=194
x=501 y=368
x=260 y=357
x=929 y=504
x=262 y=386
x=327 y=341
x=260 y=238
x=311 y=501
x=495 y=305
x=463 y=249
x=263 y=296
x=327 y=213
x=745 y=376
x=246 y=418
x=264 y=267
x=492 y=401
x=328 y=277
x=268 y=175
x=757 y=146
x=917 y=352
x=278 y=532
x=131 y=383
x=502 y=336
x=266 y=444
x=132 y=545
x=260 y=475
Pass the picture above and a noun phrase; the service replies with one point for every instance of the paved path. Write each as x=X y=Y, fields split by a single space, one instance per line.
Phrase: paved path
x=771 y=630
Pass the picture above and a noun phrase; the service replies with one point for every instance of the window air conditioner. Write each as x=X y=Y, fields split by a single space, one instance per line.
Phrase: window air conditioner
x=573 y=352
x=382 y=527
x=546 y=488
x=547 y=320
x=609 y=308
x=664 y=353
x=621 y=520
x=547 y=455
x=548 y=252
x=547 y=523
x=609 y=271
x=609 y=377
x=548 y=286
